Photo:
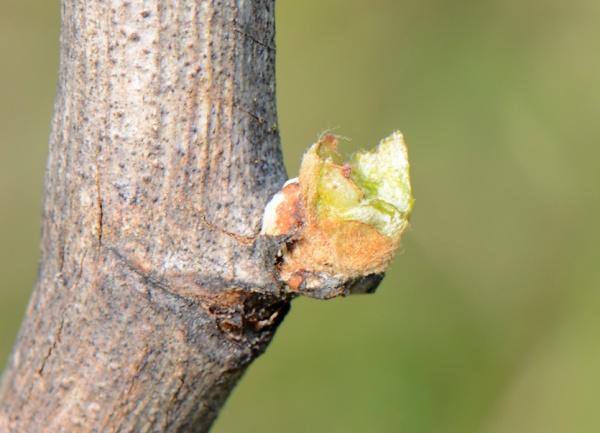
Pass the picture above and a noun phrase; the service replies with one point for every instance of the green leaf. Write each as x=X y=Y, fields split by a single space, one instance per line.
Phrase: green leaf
x=374 y=188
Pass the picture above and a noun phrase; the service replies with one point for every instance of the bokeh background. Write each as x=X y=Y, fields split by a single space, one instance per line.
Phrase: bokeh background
x=489 y=320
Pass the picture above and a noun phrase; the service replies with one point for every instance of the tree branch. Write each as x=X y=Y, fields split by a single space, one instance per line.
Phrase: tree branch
x=153 y=295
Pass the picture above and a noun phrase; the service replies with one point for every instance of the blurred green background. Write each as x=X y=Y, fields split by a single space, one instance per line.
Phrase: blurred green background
x=489 y=320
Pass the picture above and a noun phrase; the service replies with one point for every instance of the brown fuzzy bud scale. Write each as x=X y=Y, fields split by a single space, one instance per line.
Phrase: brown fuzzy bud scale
x=339 y=232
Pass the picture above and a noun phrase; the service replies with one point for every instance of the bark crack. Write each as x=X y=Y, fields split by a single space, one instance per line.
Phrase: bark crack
x=199 y=287
x=252 y=38
x=257 y=118
x=242 y=239
x=173 y=402
x=58 y=333
x=55 y=342
x=140 y=367
x=100 y=218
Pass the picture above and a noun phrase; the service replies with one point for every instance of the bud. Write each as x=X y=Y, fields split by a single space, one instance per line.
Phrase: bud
x=341 y=223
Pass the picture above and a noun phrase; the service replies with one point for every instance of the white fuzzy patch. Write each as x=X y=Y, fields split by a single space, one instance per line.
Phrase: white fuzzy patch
x=269 y=220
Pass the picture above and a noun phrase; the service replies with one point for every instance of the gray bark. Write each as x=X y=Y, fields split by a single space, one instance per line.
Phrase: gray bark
x=155 y=291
